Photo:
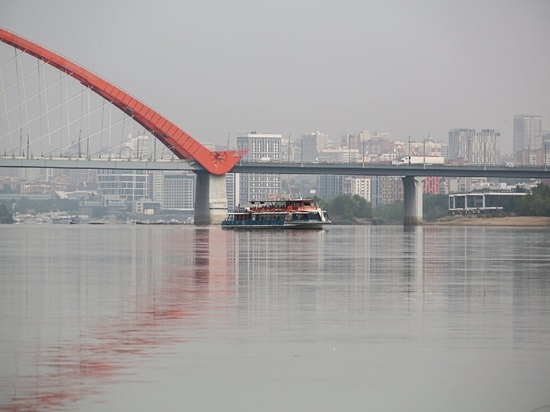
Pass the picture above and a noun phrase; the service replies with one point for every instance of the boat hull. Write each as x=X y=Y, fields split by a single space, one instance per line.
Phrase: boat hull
x=275 y=225
x=286 y=214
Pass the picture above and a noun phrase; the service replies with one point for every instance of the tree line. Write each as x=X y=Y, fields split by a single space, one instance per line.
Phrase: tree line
x=25 y=205
x=5 y=214
x=534 y=203
x=344 y=209
x=348 y=209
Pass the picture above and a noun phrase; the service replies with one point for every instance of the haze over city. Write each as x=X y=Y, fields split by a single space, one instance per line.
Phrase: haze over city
x=217 y=68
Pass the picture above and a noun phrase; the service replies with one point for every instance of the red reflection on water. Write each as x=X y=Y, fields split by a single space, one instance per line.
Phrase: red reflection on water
x=70 y=371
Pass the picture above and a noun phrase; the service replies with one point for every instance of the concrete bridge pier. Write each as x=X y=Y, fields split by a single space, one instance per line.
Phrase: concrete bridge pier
x=210 y=199
x=412 y=188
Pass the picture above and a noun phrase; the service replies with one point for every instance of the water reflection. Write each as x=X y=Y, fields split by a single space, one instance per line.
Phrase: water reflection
x=111 y=301
x=85 y=307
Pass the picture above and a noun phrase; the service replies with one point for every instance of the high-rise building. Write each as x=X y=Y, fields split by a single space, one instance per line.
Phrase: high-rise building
x=156 y=186
x=359 y=185
x=424 y=147
x=232 y=188
x=179 y=191
x=262 y=147
x=392 y=189
x=130 y=185
x=331 y=186
x=475 y=148
x=386 y=189
x=173 y=190
x=311 y=145
x=432 y=185
x=372 y=142
x=527 y=133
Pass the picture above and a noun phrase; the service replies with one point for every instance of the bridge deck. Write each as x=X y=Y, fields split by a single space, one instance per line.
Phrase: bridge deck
x=346 y=169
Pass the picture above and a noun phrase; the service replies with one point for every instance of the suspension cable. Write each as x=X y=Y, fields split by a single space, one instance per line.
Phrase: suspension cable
x=6 y=106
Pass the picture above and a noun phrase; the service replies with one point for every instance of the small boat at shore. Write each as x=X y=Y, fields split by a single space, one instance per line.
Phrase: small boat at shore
x=282 y=214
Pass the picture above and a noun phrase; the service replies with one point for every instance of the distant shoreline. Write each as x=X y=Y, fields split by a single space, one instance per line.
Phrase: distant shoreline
x=514 y=221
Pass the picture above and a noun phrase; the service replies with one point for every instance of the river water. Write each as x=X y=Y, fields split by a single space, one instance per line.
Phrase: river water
x=354 y=318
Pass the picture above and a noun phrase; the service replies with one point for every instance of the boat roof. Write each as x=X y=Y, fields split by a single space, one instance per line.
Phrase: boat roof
x=280 y=201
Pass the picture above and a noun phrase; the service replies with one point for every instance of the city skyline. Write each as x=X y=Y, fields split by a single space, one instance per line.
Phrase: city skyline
x=296 y=67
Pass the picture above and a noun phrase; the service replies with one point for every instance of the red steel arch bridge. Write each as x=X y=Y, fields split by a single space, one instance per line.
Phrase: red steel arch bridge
x=63 y=118
x=35 y=124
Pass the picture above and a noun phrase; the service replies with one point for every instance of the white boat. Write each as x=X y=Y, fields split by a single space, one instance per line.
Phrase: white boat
x=65 y=219
x=283 y=214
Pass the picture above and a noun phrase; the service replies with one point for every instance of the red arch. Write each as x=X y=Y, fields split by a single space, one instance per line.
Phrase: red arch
x=179 y=142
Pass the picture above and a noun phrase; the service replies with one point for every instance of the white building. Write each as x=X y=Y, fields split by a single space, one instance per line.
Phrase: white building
x=475 y=148
x=179 y=191
x=136 y=147
x=262 y=147
x=130 y=185
x=527 y=132
x=360 y=185
x=174 y=190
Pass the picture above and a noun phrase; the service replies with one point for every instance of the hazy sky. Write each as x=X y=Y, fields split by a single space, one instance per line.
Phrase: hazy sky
x=293 y=67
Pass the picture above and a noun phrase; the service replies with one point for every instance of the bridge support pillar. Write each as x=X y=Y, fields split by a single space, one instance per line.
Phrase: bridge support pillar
x=210 y=199
x=412 y=189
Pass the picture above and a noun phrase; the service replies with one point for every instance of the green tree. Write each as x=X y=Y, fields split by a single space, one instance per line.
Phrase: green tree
x=363 y=209
x=435 y=206
x=342 y=206
x=5 y=214
x=6 y=188
x=536 y=203
x=389 y=212
x=99 y=212
x=348 y=208
x=25 y=205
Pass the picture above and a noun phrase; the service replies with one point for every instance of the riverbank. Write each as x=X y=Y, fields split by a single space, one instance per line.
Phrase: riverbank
x=473 y=220
x=515 y=221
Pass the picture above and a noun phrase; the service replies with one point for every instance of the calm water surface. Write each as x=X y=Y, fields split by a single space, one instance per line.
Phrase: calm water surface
x=117 y=318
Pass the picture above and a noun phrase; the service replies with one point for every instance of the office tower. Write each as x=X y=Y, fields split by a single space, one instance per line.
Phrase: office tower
x=475 y=148
x=372 y=142
x=376 y=190
x=311 y=145
x=432 y=185
x=359 y=185
x=262 y=147
x=527 y=129
x=386 y=189
x=130 y=185
x=331 y=186
x=232 y=188
x=179 y=190
x=173 y=190
x=392 y=189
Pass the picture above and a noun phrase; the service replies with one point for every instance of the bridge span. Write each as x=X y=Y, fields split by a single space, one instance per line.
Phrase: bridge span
x=211 y=208
x=344 y=169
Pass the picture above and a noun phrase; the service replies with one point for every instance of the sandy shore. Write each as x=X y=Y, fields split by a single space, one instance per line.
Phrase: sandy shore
x=527 y=221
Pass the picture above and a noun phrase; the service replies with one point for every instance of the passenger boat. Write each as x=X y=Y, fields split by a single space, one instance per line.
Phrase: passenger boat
x=287 y=214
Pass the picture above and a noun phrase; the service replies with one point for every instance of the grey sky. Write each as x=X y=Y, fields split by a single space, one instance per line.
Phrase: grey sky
x=293 y=67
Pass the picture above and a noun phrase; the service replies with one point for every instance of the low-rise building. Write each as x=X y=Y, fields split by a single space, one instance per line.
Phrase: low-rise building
x=479 y=202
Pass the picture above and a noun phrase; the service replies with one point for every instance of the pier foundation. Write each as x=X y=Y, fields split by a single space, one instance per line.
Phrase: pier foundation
x=210 y=199
x=412 y=190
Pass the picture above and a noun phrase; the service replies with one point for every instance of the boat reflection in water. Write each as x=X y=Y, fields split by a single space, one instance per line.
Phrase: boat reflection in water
x=285 y=214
